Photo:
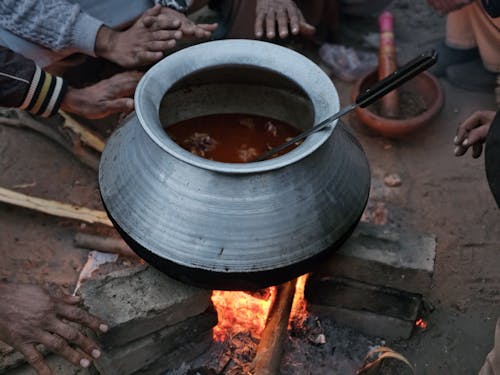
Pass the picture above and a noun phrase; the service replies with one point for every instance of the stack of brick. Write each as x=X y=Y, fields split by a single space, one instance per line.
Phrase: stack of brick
x=375 y=281
x=155 y=324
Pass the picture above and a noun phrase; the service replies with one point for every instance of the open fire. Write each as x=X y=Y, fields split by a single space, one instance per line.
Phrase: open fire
x=247 y=312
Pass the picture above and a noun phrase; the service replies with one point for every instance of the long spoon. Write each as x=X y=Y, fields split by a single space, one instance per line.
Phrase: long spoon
x=367 y=97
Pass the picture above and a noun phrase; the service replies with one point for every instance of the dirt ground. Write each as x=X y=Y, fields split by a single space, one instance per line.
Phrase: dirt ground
x=440 y=194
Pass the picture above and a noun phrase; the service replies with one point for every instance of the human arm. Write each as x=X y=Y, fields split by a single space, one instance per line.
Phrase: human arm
x=24 y=85
x=141 y=44
x=31 y=315
x=56 y=24
x=285 y=14
x=472 y=133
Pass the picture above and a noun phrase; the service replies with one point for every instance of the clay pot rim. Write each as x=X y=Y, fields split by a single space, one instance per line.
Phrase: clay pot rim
x=236 y=52
x=388 y=126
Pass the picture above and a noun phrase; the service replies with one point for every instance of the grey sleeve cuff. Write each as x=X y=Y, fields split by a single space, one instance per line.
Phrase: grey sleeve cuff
x=85 y=33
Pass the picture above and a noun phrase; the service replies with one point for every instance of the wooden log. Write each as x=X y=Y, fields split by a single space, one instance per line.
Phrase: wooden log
x=54 y=208
x=103 y=244
x=270 y=349
x=86 y=135
x=62 y=136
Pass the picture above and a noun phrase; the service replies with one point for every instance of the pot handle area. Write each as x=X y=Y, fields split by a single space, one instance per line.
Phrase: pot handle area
x=397 y=78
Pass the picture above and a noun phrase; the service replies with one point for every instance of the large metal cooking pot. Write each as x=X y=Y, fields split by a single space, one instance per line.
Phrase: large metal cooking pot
x=233 y=226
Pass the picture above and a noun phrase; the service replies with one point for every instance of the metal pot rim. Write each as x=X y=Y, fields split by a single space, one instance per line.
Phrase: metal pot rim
x=290 y=64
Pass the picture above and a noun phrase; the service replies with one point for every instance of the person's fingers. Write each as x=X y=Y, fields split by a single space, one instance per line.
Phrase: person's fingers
x=306 y=29
x=477 y=149
x=164 y=22
x=58 y=293
x=35 y=359
x=271 y=24
x=469 y=123
x=147 y=57
x=294 y=21
x=201 y=33
x=163 y=35
x=160 y=46
x=119 y=105
x=73 y=335
x=259 y=22
x=153 y=11
x=78 y=315
x=477 y=135
x=188 y=28
x=460 y=150
x=282 y=19
x=208 y=26
x=56 y=344
x=123 y=84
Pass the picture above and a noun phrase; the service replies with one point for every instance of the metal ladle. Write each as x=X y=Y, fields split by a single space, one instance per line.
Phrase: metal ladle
x=367 y=97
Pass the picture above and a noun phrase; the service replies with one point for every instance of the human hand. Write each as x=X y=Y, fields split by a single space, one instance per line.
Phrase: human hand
x=108 y=96
x=472 y=133
x=188 y=28
x=447 y=6
x=31 y=315
x=283 y=12
x=141 y=44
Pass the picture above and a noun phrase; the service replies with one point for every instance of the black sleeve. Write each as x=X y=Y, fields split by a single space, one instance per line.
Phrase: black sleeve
x=24 y=85
x=492 y=7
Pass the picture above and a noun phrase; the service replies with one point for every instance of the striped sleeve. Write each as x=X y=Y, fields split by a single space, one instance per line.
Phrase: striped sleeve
x=24 y=85
x=44 y=95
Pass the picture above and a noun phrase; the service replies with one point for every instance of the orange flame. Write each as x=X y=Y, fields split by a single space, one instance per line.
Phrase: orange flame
x=299 y=313
x=420 y=323
x=240 y=312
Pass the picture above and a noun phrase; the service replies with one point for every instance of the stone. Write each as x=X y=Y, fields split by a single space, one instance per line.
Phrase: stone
x=179 y=357
x=9 y=358
x=381 y=255
x=137 y=302
x=152 y=350
x=371 y=309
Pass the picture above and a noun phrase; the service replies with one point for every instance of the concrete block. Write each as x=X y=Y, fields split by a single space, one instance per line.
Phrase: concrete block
x=183 y=355
x=376 y=254
x=371 y=309
x=137 y=302
x=145 y=352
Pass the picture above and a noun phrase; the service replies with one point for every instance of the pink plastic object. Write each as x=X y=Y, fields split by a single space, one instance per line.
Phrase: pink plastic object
x=389 y=106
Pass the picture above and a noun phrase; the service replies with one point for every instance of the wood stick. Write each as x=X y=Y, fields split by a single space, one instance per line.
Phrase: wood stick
x=86 y=135
x=63 y=137
x=104 y=244
x=54 y=208
x=270 y=349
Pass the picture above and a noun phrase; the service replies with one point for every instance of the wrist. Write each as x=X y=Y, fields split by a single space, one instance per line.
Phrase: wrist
x=105 y=41
x=72 y=101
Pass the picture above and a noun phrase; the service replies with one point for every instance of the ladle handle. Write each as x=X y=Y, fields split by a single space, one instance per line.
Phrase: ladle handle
x=397 y=78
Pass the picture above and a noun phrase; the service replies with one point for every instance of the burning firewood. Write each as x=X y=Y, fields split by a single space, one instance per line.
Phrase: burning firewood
x=268 y=358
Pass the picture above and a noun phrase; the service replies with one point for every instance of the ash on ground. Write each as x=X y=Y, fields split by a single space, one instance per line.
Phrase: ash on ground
x=319 y=346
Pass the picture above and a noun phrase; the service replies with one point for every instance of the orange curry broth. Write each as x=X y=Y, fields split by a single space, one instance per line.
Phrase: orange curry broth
x=231 y=138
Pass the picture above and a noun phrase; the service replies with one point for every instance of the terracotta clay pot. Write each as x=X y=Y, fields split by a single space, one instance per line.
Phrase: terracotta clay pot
x=424 y=84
